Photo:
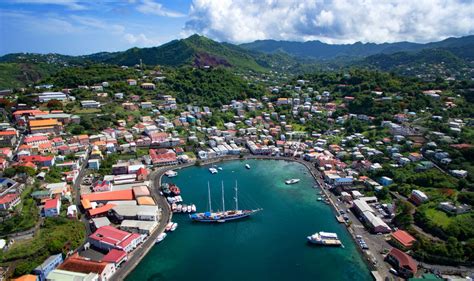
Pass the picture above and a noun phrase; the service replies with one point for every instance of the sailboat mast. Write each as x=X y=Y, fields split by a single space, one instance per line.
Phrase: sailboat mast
x=209 y=195
x=236 y=197
x=223 y=203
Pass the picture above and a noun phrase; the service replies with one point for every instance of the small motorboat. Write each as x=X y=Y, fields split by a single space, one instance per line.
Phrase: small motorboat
x=247 y=166
x=213 y=170
x=219 y=168
x=171 y=174
x=160 y=237
x=174 y=226
x=179 y=208
x=193 y=208
x=292 y=181
x=184 y=208
x=168 y=226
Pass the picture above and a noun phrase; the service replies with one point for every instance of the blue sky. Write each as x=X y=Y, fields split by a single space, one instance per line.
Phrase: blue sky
x=83 y=27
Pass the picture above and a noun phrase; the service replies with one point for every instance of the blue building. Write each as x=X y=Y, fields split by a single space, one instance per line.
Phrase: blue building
x=47 y=266
x=385 y=181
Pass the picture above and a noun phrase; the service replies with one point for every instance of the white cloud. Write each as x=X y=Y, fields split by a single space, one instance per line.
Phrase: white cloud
x=139 y=39
x=47 y=24
x=96 y=23
x=332 y=21
x=153 y=8
x=70 y=4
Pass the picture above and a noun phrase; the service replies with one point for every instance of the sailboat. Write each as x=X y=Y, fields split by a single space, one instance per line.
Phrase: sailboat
x=222 y=216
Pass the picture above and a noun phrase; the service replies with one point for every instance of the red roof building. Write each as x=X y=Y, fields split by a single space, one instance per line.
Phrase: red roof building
x=76 y=263
x=405 y=265
x=6 y=152
x=115 y=257
x=402 y=239
x=142 y=174
x=9 y=201
x=8 y=138
x=109 y=237
x=163 y=157
x=3 y=163
x=52 y=207
x=35 y=140
x=101 y=186
x=118 y=195
x=44 y=161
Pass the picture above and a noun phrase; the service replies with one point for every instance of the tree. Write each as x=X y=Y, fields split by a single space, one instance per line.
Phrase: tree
x=54 y=105
x=404 y=217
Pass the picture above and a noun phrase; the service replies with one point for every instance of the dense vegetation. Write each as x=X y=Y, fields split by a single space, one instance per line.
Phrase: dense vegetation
x=16 y=75
x=89 y=75
x=213 y=87
x=57 y=235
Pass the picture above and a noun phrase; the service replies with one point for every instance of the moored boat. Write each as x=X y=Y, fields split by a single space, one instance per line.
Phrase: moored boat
x=247 y=166
x=174 y=226
x=292 y=181
x=213 y=170
x=160 y=237
x=223 y=216
x=324 y=239
x=193 y=208
x=171 y=173
x=168 y=226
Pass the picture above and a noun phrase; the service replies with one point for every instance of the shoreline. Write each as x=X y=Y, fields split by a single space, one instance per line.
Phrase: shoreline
x=144 y=248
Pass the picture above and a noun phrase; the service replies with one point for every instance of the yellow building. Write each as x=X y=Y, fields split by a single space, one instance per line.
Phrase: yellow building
x=45 y=126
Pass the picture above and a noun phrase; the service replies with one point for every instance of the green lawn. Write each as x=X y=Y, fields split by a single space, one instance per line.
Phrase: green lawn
x=438 y=217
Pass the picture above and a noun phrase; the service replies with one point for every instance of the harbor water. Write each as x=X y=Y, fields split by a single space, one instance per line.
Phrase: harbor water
x=270 y=245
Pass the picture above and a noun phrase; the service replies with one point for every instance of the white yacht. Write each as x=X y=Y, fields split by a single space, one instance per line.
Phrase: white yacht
x=171 y=173
x=213 y=170
x=160 y=237
x=174 y=226
x=247 y=166
x=325 y=239
x=292 y=181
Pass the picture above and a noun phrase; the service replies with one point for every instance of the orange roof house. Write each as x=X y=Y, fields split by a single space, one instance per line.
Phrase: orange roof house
x=101 y=210
x=27 y=277
x=45 y=126
x=145 y=200
x=78 y=264
x=403 y=239
x=86 y=204
x=44 y=122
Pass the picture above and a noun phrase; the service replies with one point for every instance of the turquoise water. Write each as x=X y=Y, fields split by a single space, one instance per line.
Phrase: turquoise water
x=271 y=245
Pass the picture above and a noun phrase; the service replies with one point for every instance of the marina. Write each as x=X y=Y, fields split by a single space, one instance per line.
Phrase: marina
x=272 y=236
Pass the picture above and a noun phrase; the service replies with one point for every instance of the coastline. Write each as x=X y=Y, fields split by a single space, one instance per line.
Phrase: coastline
x=156 y=176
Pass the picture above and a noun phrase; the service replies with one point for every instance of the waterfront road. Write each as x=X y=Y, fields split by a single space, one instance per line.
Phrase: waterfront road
x=139 y=253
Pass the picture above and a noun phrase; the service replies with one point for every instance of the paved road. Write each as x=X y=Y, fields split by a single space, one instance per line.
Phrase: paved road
x=77 y=192
x=138 y=254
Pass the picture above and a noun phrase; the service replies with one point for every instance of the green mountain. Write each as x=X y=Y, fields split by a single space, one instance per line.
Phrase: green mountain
x=322 y=51
x=445 y=58
x=195 y=50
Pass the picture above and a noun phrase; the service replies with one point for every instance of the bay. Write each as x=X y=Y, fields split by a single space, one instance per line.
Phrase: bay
x=270 y=245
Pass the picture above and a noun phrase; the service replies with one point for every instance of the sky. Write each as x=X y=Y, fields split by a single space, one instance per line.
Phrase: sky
x=77 y=27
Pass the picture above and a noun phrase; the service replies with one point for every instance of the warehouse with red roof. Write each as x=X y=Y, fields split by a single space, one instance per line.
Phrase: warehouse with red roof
x=108 y=237
x=118 y=195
